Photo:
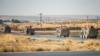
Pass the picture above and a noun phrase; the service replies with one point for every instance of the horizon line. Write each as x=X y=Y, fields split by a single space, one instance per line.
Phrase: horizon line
x=49 y=15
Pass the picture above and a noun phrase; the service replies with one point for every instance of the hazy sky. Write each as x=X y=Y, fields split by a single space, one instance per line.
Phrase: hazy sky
x=50 y=7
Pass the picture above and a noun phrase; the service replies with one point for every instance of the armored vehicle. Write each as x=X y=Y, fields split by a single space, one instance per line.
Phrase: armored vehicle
x=63 y=32
x=7 y=29
x=29 y=30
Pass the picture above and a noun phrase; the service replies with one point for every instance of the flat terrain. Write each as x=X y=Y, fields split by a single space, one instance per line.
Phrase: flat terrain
x=60 y=53
x=28 y=43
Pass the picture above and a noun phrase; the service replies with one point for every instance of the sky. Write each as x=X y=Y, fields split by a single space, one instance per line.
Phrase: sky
x=50 y=7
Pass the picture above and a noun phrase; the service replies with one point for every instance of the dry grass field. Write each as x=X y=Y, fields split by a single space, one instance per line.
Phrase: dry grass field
x=21 y=26
x=20 y=43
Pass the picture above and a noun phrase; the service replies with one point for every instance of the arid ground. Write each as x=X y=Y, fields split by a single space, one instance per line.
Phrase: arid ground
x=20 y=43
x=21 y=26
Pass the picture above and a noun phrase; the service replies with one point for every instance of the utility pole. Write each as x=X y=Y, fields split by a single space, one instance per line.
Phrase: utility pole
x=97 y=22
x=87 y=21
x=40 y=20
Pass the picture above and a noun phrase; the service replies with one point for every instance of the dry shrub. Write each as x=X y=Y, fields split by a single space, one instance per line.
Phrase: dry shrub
x=71 y=44
x=2 y=49
x=88 y=45
x=8 y=38
x=57 y=48
x=41 y=47
x=21 y=26
x=14 y=43
x=92 y=42
x=92 y=45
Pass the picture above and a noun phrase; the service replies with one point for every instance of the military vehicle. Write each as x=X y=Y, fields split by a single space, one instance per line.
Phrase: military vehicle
x=89 y=33
x=63 y=32
x=7 y=29
x=29 y=30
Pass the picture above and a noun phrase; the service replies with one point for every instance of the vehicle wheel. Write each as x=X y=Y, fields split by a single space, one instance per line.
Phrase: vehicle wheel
x=32 y=33
x=65 y=36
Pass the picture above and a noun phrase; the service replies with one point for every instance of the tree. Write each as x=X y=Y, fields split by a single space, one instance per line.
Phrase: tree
x=1 y=21
x=16 y=21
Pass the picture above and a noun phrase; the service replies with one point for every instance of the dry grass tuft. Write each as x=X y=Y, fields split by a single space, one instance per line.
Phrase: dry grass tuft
x=92 y=45
x=88 y=45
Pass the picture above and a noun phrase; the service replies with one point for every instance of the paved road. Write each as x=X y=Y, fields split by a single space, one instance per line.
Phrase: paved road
x=69 y=53
x=52 y=37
